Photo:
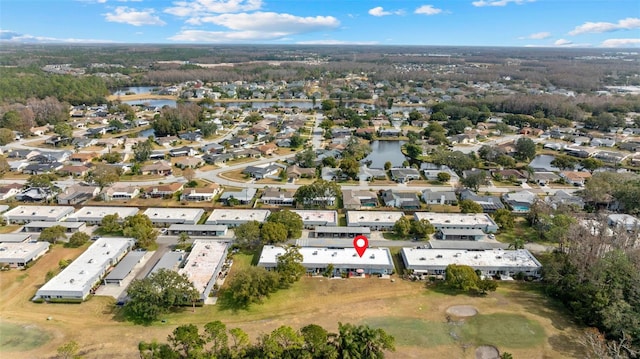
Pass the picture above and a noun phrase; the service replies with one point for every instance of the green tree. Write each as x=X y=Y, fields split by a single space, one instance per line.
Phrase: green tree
x=103 y=175
x=6 y=136
x=517 y=243
x=319 y=194
x=68 y=350
x=216 y=336
x=240 y=341
x=564 y=162
x=142 y=150
x=474 y=180
x=317 y=342
x=186 y=341
x=327 y=105
x=362 y=342
x=461 y=277
x=350 y=167
x=422 y=228
x=111 y=223
x=469 y=206
x=157 y=294
x=504 y=218
x=402 y=227
x=139 y=226
x=306 y=158
x=414 y=151
x=248 y=234
x=443 y=177
x=487 y=285
x=283 y=342
x=44 y=180
x=78 y=239
x=591 y=164
x=272 y=232
x=112 y=157
x=296 y=141
x=525 y=149
x=53 y=234
x=291 y=220
x=250 y=285
x=387 y=165
x=63 y=129
x=290 y=266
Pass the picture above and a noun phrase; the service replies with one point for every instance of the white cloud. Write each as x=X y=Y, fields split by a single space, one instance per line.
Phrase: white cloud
x=536 y=36
x=199 y=8
x=12 y=36
x=481 y=3
x=225 y=36
x=621 y=43
x=379 y=11
x=427 y=10
x=562 y=42
x=629 y=23
x=335 y=42
x=273 y=22
x=127 y=15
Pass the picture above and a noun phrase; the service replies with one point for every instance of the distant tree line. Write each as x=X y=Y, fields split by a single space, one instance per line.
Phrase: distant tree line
x=19 y=84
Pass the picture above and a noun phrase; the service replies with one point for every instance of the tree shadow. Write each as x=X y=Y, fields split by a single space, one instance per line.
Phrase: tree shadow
x=227 y=302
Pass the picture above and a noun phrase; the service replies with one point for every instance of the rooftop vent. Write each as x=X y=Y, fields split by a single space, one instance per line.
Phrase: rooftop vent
x=423 y=258
x=439 y=256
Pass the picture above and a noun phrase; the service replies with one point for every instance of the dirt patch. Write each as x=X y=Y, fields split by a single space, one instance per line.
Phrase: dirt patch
x=487 y=352
x=462 y=311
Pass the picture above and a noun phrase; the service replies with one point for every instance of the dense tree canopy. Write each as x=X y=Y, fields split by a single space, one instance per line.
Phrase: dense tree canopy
x=291 y=220
x=139 y=226
x=311 y=342
x=157 y=294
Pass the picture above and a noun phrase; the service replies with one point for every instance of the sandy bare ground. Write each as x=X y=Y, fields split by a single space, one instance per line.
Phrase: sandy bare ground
x=487 y=352
x=462 y=311
x=101 y=334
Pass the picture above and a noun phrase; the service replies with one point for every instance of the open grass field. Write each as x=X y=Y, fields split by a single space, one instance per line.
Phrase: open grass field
x=14 y=337
x=516 y=318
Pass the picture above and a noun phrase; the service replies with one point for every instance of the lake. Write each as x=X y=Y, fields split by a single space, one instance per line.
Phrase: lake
x=152 y=102
x=147 y=133
x=138 y=90
x=383 y=151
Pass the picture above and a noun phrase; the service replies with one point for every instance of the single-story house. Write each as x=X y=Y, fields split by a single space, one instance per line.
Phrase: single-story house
x=439 y=197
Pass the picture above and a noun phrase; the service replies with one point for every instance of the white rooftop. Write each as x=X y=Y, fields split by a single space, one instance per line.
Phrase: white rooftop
x=182 y=214
x=455 y=218
x=9 y=252
x=79 y=276
x=202 y=262
x=35 y=213
x=238 y=215
x=358 y=218
x=100 y=212
x=314 y=257
x=416 y=257
x=311 y=216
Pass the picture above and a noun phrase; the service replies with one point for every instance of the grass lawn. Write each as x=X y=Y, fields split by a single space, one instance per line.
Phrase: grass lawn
x=413 y=331
x=521 y=229
x=415 y=315
x=503 y=330
x=10 y=228
x=15 y=337
x=236 y=175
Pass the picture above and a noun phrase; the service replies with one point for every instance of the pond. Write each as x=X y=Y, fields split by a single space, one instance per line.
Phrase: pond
x=383 y=151
x=147 y=133
x=543 y=163
x=138 y=90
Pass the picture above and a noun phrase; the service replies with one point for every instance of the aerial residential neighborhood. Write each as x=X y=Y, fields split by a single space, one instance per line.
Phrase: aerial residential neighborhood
x=468 y=191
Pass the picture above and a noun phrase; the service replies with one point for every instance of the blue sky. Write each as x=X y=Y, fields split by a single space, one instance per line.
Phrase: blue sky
x=550 y=23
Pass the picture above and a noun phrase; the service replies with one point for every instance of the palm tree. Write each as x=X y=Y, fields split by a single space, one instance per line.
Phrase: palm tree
x=517 y=243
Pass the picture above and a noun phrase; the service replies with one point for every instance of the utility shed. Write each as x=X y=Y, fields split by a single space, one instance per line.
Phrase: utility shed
x=126 y=265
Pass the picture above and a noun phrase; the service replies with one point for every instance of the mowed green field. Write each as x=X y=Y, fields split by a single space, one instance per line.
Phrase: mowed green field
x=14 y=337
